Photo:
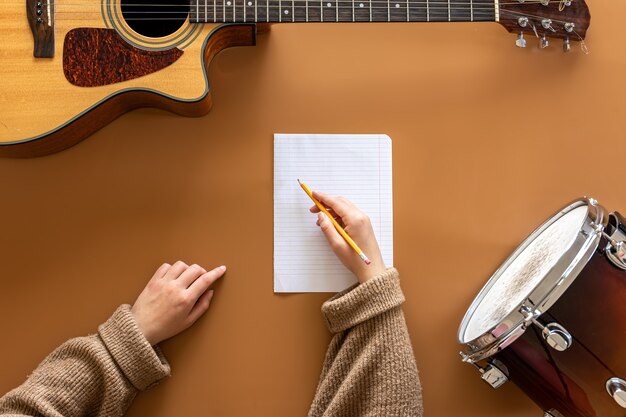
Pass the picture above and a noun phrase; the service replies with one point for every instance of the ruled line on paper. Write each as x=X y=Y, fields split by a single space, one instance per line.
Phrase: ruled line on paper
x=358 y=167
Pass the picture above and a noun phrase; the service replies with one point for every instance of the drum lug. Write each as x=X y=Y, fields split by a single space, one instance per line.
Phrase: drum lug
x=616 y=387
x=616 y=247
x=556 y=336
x=495 y=373
x=617 y=255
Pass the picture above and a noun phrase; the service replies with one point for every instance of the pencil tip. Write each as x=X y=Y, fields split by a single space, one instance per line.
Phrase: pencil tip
x=298 y=180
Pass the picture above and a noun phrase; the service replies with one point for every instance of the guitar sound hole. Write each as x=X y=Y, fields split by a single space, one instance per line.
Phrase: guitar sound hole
x=155 y=18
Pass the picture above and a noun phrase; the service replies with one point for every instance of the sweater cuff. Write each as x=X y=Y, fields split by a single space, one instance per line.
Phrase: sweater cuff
x=143 y=365
x=361 y=302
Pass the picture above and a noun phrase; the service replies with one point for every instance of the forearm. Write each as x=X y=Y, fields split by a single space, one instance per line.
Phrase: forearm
x=97 y=375
x=369 y=368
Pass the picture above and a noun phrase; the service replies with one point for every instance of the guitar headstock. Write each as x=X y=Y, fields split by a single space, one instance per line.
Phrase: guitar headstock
x=564 y=19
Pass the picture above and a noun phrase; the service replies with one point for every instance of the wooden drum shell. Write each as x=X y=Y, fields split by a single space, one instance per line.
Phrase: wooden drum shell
x=572 y=383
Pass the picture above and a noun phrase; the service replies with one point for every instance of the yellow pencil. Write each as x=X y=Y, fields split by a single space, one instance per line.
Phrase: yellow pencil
x=337 y=226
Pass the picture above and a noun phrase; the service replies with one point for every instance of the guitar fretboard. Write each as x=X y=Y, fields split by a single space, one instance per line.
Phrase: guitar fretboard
x=276 y=11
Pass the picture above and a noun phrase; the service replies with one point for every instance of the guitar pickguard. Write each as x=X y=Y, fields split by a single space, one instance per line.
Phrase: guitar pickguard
x=96 y=57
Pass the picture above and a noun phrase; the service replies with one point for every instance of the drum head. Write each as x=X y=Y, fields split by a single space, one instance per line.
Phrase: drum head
x=523 y=272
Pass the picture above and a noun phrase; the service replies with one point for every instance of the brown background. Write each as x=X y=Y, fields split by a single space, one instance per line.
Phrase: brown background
x=488 y=140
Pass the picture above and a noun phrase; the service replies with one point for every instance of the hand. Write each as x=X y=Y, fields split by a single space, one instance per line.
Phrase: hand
x=174 y=298
x=357 y=224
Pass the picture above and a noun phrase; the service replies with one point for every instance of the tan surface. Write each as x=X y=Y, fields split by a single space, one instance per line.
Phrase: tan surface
x=488 y=140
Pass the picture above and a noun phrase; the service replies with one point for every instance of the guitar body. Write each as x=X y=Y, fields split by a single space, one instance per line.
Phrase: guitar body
x=100 y=69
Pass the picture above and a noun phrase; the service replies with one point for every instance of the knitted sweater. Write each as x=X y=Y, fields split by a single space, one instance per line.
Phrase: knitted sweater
x=369 y=368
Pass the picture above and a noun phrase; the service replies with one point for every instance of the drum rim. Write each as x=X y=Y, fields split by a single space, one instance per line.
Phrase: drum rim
x=547 y=291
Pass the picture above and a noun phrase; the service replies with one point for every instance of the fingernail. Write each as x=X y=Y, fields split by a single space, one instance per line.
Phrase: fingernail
x=211 y=293
x=223 y=268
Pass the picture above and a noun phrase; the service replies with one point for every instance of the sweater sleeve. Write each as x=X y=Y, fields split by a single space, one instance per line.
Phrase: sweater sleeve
x=369 y=368
x=97 y=375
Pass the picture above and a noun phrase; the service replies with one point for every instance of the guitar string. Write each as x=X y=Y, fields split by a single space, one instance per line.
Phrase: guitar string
x=521 y=14
x=274 y=19
x=400 y=2
x=433 y=2
x=485 y=11
x=436 y=6
x=441 y=6
x=350 y=4
x=490 y=15
x=521 y=4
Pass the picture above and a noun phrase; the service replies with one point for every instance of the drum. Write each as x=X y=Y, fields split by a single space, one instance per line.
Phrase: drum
x=552 y=318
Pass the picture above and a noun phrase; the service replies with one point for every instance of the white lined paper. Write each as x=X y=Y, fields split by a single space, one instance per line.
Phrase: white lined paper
x=357 y=167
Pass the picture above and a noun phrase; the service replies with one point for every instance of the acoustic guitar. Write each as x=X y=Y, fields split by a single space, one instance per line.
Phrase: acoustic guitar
x=107 y=57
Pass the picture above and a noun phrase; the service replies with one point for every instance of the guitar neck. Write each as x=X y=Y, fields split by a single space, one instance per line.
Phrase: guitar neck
x=284 y=11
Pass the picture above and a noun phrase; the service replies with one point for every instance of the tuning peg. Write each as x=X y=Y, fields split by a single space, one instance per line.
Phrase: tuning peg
x=566 y=45
x=543 y=42
x=547 y=24
x=520 y=42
